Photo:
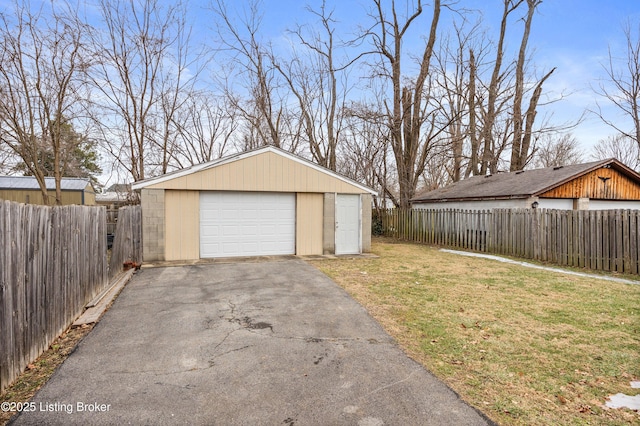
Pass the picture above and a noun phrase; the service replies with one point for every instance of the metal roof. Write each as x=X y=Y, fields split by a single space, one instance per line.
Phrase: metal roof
x=519 y=184
x=30 y=182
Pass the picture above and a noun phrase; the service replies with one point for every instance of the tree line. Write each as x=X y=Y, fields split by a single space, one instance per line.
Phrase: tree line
x=409 y=95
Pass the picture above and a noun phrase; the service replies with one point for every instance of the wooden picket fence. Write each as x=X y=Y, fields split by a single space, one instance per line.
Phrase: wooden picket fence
x=53 y=261
x=127 y=243
x=605 y=240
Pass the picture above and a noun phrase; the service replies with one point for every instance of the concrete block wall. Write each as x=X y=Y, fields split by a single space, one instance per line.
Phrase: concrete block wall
x=329 y=224
x=365 y=202
x=153 y=224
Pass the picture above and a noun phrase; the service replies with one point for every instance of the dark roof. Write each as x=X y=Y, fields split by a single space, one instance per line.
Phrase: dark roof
x=520 y=184
x=30 y=182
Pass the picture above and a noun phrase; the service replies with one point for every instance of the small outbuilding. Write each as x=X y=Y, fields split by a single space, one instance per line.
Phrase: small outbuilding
x=25 y=189
x=261 y=202
x=598 y=185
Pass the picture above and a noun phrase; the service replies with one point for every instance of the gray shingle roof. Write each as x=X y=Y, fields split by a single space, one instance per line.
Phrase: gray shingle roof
x=29 y=182
x=520 y=184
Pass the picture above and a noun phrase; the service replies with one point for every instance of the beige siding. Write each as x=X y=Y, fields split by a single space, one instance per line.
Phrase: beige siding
x=35 y=197
x=182 y=225
x=89 y=196
x=263 y=172
x=309 y=209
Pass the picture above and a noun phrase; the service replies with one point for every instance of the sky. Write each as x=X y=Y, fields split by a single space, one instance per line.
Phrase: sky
x=572 y=35
x=575 y=36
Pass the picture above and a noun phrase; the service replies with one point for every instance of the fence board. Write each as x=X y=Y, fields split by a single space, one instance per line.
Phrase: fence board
x=127 y=242
x=632 y=242
x=48 y=272
x=607 y=240
x=626 y=257
x=619 y=249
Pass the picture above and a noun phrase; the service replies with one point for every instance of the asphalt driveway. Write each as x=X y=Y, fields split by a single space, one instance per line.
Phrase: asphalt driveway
x=264 y=343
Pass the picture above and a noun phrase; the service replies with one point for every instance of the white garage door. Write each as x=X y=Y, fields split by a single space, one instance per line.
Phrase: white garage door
x=247 y=224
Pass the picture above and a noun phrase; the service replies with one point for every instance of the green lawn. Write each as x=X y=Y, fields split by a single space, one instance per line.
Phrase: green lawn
x=524 y=346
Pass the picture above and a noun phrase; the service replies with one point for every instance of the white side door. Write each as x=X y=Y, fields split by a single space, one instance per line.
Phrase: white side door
x=348 y=224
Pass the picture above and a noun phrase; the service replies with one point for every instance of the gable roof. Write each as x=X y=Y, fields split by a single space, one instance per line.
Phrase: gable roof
x=30 y=183
x=244 y=155
x=519 y=184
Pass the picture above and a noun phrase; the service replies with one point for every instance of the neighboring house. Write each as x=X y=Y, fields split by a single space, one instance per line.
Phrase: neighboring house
x=25 y=189
x=261 y=202
x=599 y=185
x=116 y=195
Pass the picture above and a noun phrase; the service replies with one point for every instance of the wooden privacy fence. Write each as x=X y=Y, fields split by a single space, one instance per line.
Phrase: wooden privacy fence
x=127 y=243
x=112 y=220
x=606 y=240
x=53 y=261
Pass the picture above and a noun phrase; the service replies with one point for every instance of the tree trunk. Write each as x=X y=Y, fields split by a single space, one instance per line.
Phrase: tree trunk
x=518 y=153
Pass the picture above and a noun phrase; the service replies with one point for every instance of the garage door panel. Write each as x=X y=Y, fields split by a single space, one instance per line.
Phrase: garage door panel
x=212 y=247
x=249 y=230
x=230 y=248
x=246 y=224
x=250 y=247
x=229 y=231
x=250 y=214
x=268 y=229
x=228 y=214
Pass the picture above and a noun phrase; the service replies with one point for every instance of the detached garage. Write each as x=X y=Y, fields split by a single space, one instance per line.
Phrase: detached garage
x=257 y=203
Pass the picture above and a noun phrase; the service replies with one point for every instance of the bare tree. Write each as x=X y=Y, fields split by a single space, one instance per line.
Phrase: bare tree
x=501 y=115
x=257 y=99
x=622 y=85
x=554 y=150
x=482 y=137
x=407 y=116
x=7 y=156
x=206 y=126
x=620 y=147
x=319 y=83
x=439 y=171
x=364 y=151
x=144 y=55
x=523 y=124
x=42 y=55
x=455 y=77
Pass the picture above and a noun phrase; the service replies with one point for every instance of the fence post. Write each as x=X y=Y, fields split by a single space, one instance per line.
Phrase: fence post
x=601 y=240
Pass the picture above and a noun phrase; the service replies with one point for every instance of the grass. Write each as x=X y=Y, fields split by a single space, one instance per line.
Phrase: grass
x=524 y=346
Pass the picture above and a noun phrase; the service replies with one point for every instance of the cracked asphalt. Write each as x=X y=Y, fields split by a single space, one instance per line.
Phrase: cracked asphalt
x=244 y=343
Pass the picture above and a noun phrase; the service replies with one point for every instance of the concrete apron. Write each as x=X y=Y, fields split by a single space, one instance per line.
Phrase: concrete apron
x=242 y=344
